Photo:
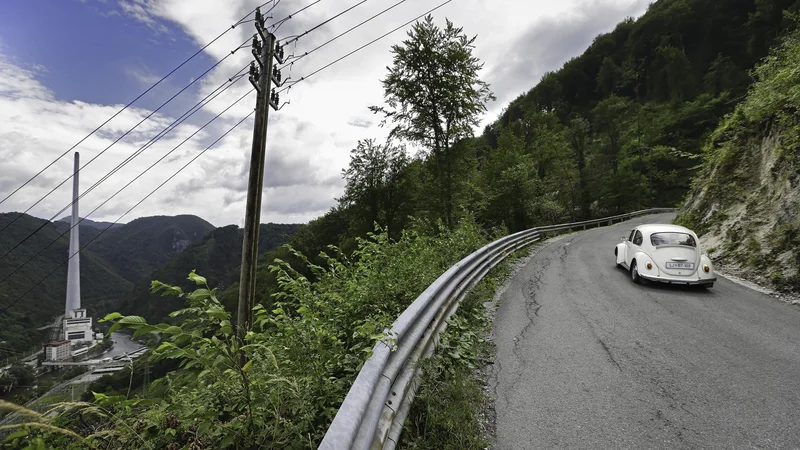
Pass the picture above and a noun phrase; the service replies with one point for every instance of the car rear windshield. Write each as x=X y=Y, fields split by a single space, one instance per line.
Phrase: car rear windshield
x=658 y=239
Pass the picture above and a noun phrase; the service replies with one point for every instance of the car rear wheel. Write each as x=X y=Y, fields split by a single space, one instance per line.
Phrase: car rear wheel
x=635 y=273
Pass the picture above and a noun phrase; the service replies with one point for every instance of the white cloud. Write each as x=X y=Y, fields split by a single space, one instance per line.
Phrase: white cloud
x=141 y=11
x=309 y=140
x=143 y=75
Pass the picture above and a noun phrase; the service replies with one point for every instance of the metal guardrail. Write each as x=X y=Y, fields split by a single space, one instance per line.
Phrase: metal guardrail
x=375 y=408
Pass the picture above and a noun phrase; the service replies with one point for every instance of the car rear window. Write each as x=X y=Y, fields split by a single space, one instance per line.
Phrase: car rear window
x=672 y=239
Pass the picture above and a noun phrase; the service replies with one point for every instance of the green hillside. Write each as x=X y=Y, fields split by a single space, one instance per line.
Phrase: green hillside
x=116 y=268
x=746 y=200
x=64 y=224
x=142 y=245
x=621 y=126
x=101 y=286
x=218 y=256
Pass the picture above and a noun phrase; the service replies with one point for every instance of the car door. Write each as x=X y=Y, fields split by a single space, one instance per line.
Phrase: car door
x=630 y=247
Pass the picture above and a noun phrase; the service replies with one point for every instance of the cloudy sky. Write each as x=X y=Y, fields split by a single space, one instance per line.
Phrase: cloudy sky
x=66 y=66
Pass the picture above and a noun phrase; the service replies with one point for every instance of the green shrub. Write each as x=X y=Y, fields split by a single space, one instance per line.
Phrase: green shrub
x=302 y=356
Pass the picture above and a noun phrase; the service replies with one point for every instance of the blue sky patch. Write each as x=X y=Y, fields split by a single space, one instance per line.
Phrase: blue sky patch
x=91 y=51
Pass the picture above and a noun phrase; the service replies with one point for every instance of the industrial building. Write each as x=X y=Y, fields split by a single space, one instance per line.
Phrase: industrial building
x=57 y=350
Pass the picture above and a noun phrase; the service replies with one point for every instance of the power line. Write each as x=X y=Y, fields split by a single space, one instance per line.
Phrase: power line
x=240 y=21
x=297 y=37
x=136 y=99
x=297 y=58
x=143 y=199
x=274 y=5
x=125 y=186
x=177 y=122
x=278 y=24
x=290 y=84
x=194 y=109
x=158 y=137
x=124 y=134
x=130 y=158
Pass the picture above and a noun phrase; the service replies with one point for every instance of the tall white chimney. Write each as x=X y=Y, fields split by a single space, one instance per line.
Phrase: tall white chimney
x=74 y=267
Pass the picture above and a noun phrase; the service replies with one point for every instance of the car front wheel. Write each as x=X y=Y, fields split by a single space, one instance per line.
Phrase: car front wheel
x=635 y=273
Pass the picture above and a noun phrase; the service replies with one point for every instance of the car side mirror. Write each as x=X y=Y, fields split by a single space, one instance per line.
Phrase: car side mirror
x=623 y=239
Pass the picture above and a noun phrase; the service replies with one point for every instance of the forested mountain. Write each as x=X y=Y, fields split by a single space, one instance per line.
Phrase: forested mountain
x=621 y=127
x=746 y=200
x=137 y=248
x=101 y=286
x=113 y=264
x=65 y=222
x=140 y=246
x=218 y=256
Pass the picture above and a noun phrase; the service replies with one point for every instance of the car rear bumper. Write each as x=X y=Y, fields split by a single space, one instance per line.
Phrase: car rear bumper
x=678 y=280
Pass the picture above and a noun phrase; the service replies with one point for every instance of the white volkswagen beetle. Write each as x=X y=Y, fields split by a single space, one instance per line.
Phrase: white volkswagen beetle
x=665 y=253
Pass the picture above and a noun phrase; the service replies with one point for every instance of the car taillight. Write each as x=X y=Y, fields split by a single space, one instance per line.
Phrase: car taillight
x=649 y=266
x=706 y=269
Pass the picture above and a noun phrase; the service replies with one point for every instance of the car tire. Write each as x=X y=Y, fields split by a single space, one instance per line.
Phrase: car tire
x=635 y=273
x=707 y=285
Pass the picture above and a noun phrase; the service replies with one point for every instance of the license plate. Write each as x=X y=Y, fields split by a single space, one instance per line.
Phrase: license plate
x=674 y=265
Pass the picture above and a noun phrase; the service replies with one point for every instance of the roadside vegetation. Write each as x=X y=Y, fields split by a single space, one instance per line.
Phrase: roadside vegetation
x=746 y=198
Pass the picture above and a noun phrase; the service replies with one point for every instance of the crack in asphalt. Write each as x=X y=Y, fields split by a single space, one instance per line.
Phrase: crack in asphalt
x=497 y=366
x=608 y=352
x=692 y=371
x=532 y=307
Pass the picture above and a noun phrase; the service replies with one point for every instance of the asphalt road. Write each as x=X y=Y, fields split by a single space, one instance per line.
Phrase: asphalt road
x=587 y=359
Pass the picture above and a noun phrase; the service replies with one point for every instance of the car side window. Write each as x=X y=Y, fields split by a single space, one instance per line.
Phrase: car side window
x=638 y=238
x=630 y=238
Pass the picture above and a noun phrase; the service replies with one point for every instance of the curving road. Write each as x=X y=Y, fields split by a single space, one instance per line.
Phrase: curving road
x=588 y=360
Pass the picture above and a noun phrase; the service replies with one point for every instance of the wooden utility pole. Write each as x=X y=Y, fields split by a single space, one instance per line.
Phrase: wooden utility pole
x=261 y=77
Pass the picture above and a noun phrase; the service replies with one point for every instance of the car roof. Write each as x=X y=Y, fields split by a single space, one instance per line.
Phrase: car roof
x=663 y=227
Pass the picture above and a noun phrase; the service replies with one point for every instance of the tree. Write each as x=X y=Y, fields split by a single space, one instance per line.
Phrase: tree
x=671 y=73
x=434 y=96
x=374 y=180
x=22 y=373
x=610 y=121
x=7 y=381
x=510 y=183
x=609 y=78
x=578 y=135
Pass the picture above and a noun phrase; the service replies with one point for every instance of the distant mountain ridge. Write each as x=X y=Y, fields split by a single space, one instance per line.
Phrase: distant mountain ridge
x=122 y=257
x=86 y=223
x=217 y=257
x=142 y=245
x=101 y=286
